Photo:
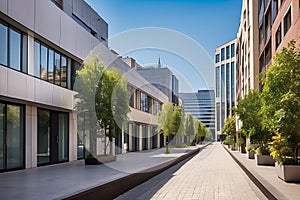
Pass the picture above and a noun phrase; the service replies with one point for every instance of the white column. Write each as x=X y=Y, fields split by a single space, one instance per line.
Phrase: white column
x=140 y=138
x=73 y=136
x=31 y=137
x=130 y=137
x=149 y=137
x=158 y=140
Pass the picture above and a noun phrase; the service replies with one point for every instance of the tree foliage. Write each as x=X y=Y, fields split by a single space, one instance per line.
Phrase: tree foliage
x=229 y=127
x=281 y=102
x=189 y=126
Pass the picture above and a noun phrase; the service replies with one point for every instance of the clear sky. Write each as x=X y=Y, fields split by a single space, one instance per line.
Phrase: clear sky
x=210 y=23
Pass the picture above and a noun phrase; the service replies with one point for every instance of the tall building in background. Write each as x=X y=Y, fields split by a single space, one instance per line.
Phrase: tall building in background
x=159 y=76
x=202 y=106
x=225 y=63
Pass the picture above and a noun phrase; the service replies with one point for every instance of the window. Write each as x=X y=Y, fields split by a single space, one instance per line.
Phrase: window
x=232 y=50
x=144 y=102
x=44 y=59
x=232 y=84
x=218 y=81
x=274 y=9
x=13 y=50
x=222 y=54
x=287 y=21
x=57 y=68
x=223 y=83
x=227 y=52
x=37 y=61
x=217 y=58
x=278 y=36
x=52 y=66
x=58 y=3
x=3 y=46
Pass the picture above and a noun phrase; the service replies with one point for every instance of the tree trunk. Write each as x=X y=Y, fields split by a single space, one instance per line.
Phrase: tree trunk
x=93 y=134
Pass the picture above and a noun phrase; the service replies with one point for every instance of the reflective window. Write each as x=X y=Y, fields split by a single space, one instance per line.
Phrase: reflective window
x=51 y=66
x=1 y=136
x=217 y=58
x=222 y=54
x=37 y=61
x=232 y=84
x=57 y=68
x=278 y=36
x=43 y=137
x=3 y=46
x=287 y=21
x=217 y=81
x=14 y=49
x=227 y=52
x=223 y=83
x=144 y=102
x=63 y=71
x=232 y=50
x=44 y=62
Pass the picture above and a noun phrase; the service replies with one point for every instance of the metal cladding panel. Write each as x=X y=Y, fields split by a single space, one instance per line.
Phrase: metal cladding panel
x=47 y=20
x=22 y=11
x=68 y=34
x=3 y=6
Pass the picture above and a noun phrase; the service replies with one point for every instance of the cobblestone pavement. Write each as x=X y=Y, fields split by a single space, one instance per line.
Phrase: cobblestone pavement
x=211 y=174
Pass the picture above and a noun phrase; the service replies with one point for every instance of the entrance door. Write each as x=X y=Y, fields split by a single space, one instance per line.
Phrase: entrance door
x=11 y=137
x=53 y=137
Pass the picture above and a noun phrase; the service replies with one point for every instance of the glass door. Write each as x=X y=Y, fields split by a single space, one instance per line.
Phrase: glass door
x=43 y=137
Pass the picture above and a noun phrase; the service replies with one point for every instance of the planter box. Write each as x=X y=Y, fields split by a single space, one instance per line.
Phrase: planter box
x=100 y=159
x=250 y=154
x=288 y=173
x=264 y=160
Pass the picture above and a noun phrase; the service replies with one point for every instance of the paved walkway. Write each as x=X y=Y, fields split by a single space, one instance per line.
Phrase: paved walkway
x=267 y=176
x=212 y=174
x=63 y=180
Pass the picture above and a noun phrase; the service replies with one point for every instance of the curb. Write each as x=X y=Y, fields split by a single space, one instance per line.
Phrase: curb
x=253 y=178
x=117 y=187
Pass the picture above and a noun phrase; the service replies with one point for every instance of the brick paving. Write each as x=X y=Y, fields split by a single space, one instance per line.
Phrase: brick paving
x=211 y=174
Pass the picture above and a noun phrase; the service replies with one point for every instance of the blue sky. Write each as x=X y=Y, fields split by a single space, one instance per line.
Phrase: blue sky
x=209 y=23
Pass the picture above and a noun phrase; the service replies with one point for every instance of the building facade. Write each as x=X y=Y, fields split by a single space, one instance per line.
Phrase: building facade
x=225 y=71
x=201 y=105
x=43 y=43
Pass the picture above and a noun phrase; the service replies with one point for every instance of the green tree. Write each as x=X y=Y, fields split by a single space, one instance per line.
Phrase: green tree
x=229 y=127
x=189 y=127
x=200 y=130
x=86 y=85
x=281 y=102
x=248 y=110
x=169 y=121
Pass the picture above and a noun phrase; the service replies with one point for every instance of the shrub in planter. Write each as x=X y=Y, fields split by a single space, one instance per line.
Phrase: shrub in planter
x=250 y=151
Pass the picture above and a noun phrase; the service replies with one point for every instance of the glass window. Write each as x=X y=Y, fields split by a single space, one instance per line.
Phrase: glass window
x=278 y=36
x=57 y=68
x=232 y=84
x=223 y=83
x=44 y=61
x=3 y=46
x=63 y=137
x=227 y=52
x=217 y=58
x=222 y=54
x=144 y=102
x=218 y=81
x=287 y=21
x=63 y=71
x=51 y=66
x=24 y=52
x=218 y=117
x=14 y=137
x=14 y=49
x=232 y=50
x=43 y=137
x=37 y=61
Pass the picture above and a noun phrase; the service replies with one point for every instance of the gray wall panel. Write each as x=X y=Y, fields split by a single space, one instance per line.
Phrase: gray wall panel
x=68 y=36
x=47 y=20
x=3 y=6
x=22 y=11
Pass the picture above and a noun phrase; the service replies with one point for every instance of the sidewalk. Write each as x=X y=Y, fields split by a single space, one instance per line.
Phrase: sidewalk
x=266 y=175
x=211 y=174
x=67 y=179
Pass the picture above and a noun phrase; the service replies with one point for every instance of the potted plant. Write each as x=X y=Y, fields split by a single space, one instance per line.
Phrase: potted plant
x=250 y=151
x=263 y=157
x=241 y=144
x=281 y=110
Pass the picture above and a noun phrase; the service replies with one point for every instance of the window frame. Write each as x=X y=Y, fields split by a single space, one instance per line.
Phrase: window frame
x=285 y=28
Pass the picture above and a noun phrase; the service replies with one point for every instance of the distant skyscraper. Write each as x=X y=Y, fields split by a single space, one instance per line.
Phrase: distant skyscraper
x=225 y=83
x=202 y=106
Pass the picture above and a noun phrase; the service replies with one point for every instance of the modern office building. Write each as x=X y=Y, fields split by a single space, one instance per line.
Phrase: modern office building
x=286 y=23
x=202 y=106
x=43 y=43
x=225 y=63
x=162 y=78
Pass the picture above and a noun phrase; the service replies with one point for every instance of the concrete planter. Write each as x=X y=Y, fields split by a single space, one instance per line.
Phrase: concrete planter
x=250 y=154
x=264 y=160
x=288 y=173
x=100 y=159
